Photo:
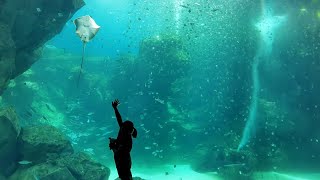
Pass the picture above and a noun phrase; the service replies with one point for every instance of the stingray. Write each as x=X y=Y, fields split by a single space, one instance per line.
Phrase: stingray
x=86 y=29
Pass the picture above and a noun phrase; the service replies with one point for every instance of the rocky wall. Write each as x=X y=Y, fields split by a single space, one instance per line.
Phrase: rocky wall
x=24 y=27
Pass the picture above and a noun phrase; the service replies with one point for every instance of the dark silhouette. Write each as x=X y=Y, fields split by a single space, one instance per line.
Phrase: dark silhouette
x=122 y=146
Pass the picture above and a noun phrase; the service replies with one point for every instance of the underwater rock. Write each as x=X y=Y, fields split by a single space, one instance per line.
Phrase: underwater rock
x=166 y=56
x=11 y=115
x=44 y=171
x=234 y=172
x=7 y=56
x=50 y=51
x=222 y=158
x=83 y=167
x=25 y=28
x=238 y=165
x=9 y=132
x=41 y=143
x=272 y=136
x=66 y=167
x=62 y=173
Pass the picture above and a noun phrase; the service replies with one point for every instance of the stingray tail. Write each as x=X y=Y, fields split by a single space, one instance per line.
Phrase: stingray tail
x=83 y=48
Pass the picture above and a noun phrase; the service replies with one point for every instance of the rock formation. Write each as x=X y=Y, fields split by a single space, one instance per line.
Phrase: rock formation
x=24 y=27
x=41 y=152
x=9 y=132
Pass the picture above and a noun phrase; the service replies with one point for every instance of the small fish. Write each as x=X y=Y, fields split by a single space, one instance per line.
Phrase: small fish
x=103 y=128
x=49 y=108
x=92 y=129
x=33 y=109
x=35 y=177
x=147 y=147
x=174 y=166
x=29 y=113
x=101 y=139
x=106 y=133
x=184 y=6
x=44 y=117
x=159 y=100
x=236 y=164
x=88 y=149
x=24 y=162
x=90 y=113
x=60 y=14
x=214 y=10
x=38 y=10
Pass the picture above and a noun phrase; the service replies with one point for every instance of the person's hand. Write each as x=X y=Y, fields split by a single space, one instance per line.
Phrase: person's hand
x=115 y=103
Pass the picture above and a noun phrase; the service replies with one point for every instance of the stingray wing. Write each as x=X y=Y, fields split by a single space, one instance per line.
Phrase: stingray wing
x=86 y=28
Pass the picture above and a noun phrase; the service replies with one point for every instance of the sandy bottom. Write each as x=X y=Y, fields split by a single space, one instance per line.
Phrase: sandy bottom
x=166 y=172
x=184 y=172
x=286 y=176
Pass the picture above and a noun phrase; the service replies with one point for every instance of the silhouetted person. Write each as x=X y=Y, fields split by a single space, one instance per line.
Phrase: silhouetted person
x=122 y=145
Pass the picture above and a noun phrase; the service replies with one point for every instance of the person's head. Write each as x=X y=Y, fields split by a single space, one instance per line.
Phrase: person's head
x=129 y=127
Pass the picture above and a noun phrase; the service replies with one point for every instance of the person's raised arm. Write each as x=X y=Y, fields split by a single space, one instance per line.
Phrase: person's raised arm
x=115 y=104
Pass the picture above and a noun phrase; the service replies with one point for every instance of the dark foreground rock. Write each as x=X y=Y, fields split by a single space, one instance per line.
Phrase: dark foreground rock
x=50 y=156
x=42 y=171
x=76 y=166
x=39 y=144
x=83 y=168
x=42 y=152
x=9 y=132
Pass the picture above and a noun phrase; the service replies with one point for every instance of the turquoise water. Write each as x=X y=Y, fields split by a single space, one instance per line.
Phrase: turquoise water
x=216 y=89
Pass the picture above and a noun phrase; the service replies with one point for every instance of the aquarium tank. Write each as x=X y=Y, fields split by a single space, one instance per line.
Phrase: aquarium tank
x=215 y=89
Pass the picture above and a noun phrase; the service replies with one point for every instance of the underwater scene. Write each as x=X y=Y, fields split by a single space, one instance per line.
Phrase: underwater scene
x=152 y=90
